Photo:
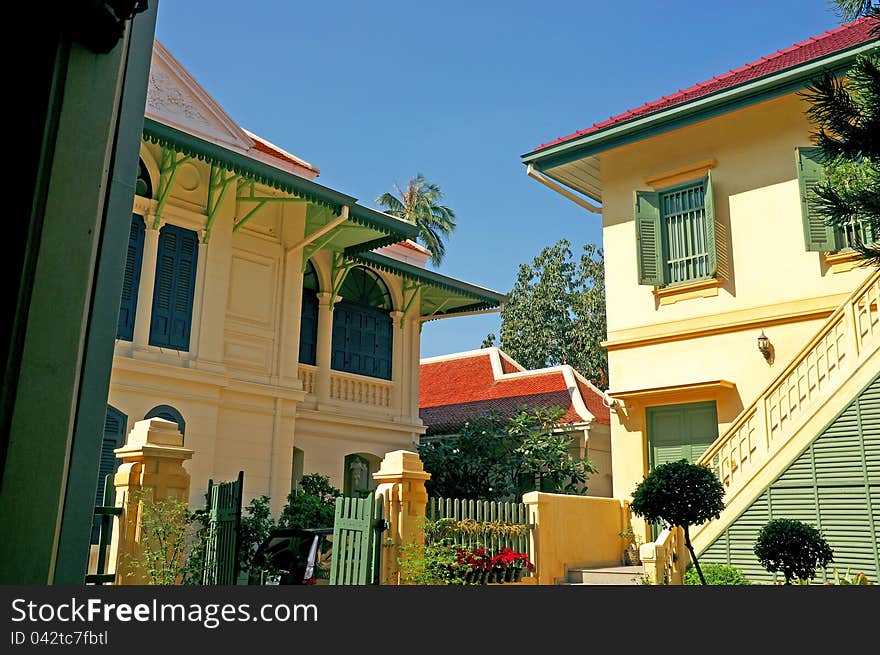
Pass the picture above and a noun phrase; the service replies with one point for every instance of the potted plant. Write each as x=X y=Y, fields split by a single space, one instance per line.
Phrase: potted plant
x=631 y=555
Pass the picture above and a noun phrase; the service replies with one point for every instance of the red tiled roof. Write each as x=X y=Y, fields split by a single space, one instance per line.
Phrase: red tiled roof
x=413 y=246
x=840 y=38
x=264 y=147
x=452 y=391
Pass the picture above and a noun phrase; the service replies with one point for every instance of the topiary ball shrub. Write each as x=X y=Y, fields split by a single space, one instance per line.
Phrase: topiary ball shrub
x=717 y=574
x=793 y=548
x=679 y=493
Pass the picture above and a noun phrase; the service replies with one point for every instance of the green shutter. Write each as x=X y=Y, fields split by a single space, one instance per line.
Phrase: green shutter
x=834 y=485
x=131 y=280
x=649 y=245
x=709 y=211
x=171 y=319
x=818 y=236
x=114 y=437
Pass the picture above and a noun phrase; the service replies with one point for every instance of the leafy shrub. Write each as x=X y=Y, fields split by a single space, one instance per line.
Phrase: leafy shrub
x=717 y=574
x=428 y=564
x=793 y=548
x=161 y=557
x=311 y=505
x=681 y=494
x=256 y=523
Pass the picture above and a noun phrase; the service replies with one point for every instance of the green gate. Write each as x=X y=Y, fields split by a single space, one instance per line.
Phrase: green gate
x=357 y=526
x=224 y=525
x=104 y=522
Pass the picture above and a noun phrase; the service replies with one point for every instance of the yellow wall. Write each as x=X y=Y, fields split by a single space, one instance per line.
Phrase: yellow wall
x=238 y=387
x=574 y=531
x=775 y=284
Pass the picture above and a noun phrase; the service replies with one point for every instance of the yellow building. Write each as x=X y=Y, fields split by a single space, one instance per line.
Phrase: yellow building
x=275 y=320
x=711 y=245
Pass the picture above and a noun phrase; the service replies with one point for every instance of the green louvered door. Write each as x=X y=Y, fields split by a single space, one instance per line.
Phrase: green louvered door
x=681 y=431
x=833 y=485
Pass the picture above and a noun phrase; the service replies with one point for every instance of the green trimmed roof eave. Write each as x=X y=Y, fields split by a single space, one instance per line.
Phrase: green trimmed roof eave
x=693 y=111
x=258 y=171
x=470 y=298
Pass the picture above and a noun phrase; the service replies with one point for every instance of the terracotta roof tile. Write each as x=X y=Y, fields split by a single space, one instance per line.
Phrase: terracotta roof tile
x=840 y=38
x=458 y=389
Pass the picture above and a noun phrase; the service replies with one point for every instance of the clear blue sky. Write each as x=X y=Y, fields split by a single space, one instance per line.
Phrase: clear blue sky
x=374 y=92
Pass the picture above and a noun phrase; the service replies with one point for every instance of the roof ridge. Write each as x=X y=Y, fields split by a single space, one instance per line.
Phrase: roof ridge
x=664 y=101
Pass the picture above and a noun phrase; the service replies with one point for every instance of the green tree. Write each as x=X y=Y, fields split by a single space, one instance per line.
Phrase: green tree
x=680 y=494
x=311 y=505
x=419 y=203
x=846 y=112
x=256 y=524
x=793 y=548
x=493 y=458
x=556 y=312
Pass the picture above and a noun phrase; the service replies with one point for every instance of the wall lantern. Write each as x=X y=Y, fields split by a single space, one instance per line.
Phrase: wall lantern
x=765 y=347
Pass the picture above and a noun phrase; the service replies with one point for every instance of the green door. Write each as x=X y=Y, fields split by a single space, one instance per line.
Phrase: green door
x=681 y=431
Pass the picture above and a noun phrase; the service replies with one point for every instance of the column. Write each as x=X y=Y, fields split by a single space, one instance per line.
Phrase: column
x=324 y=347
x=415 y=344
x=151 y=470
x=401 y=479
x=141 y=336
x=398 y=360
x=291 y=311
x=198 y=301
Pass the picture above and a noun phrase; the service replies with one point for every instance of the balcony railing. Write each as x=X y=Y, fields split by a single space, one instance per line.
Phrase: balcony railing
x=850 y=335
x=359 y=389
x=308 y=375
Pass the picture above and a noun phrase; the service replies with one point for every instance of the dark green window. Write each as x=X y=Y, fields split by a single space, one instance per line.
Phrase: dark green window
x=308 y=326
x=174 y=289
x=818 y=236
x=675 y=231
x=131 y=279
x=169 y=414
x=680 y=431
x=114 y=437
x=362 y=334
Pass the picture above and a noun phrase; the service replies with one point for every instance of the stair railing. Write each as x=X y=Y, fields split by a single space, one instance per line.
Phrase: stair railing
x=848 y=337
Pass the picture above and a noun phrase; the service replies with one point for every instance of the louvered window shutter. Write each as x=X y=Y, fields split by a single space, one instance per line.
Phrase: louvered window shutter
x=711 y=237
x=308 y=328
x=817 y=235
x=131 y=279
x=174 y=289
x=114 y=437
x=649 y=247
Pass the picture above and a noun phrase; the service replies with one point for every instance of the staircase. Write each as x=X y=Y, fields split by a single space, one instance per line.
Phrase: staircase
x=820 y=380
x=611 y=575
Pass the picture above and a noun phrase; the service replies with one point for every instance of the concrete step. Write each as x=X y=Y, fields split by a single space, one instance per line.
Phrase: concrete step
x=609 y=575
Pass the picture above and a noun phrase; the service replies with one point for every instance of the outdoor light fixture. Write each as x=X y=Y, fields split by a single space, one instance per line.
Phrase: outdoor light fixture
x=764 y=346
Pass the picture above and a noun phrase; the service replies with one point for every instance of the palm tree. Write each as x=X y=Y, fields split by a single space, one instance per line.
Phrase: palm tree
x=420 y=204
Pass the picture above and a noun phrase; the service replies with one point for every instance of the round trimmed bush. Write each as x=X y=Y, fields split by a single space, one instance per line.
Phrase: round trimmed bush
x=717 y=574
x=793 y=548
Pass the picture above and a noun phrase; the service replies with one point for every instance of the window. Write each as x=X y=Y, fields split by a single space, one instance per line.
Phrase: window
x=131 y=279
x=681 y=431
x=169 y=414
x=173 y=292
x=114 y=437
x=308 y=325
x=676 y=234
x=362 y=341
x=818 y=236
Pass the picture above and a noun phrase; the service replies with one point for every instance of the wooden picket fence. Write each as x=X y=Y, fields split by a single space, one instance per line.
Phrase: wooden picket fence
x=485 y=511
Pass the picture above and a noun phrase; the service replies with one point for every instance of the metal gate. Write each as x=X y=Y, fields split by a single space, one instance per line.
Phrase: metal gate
x=224 y=525
x=357 y=526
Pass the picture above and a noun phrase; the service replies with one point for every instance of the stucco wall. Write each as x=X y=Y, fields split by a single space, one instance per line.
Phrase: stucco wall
x=238 y=386
x=775 y=285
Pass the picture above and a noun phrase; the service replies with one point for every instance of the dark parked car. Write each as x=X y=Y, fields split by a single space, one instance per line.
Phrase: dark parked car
x=292 y=556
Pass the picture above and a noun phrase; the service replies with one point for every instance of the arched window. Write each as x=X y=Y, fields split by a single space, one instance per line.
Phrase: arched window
x=144 y=185
x=362 y=334
x=115 y=423
x=169 y=414
x=308 y=326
